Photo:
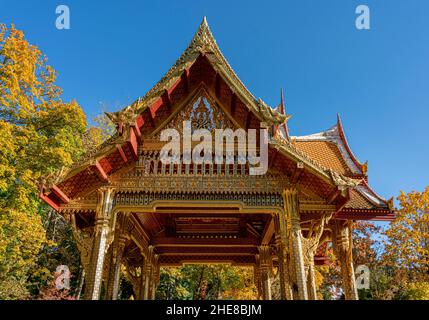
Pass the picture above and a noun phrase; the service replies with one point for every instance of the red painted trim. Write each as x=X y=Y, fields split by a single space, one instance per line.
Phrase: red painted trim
x=185 y=78
x=174 y=86
x=122 y=153
x=154 y=107
x=137 y=132
x=346 y=144
x=140 y=121
x=132 y=144
x=57 y=191
x=49 y=201
x=362 y=216
x=100 y=172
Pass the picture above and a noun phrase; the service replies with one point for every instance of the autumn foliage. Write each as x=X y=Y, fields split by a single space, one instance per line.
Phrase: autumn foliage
x=40 y=133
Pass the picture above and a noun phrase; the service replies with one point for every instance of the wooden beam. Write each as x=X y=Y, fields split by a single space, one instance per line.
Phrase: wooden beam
x=185 y=79
x=170 y=229
x=152 y=119
x=140 y=121
x=121 y=153
x=343 y=200
x=201 y=241
x=49 y=201
x=166 y=260
x=208 y=250
x=137 y=132
x=166 y=99
x=61 y=195
x=100 y=171
x=297 y=174
x=132 y=144
x=333 y=196
x=268 y=232
x=242 y=227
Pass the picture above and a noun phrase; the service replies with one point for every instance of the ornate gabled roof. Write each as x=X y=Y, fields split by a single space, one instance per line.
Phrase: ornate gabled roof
x=329 y=165
x=331 y=150
x=330 y=147
x=203 y=43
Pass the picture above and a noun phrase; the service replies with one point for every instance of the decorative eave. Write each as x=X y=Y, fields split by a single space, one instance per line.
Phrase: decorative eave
x=372 y=196
x=383 y=209
x=328 y=175
x=365 y=214
x=336 y=136
x=204 y=44
x=362 y=167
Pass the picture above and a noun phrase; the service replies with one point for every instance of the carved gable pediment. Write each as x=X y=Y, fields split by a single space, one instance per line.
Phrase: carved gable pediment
x=202 y=111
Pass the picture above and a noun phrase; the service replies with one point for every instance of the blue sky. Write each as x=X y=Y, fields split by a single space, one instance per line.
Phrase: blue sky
x=377 y=79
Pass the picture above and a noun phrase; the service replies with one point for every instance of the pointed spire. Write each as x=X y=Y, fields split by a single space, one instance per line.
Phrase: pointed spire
x=203 y=40
x=283 y=111
x=282 y=102
x=203 y=25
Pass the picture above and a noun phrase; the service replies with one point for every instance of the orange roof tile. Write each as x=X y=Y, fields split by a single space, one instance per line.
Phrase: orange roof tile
x=326 y=153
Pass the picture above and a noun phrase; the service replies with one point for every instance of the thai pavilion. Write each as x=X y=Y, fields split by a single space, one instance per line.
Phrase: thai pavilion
x=128 y=208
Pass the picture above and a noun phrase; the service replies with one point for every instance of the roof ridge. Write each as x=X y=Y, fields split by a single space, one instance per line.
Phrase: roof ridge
x=203 y=42
x=361 y=166
x=335 y=134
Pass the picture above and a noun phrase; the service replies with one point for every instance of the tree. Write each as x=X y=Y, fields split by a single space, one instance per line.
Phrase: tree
x=39 y=134
x=206 y=282
x=407 y=245
x=365 y=252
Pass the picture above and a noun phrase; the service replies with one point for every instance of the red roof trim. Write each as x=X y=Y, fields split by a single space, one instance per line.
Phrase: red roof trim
x=365 y=214
x=122 y=153
x=49 y=201
x=100 y=172
x=365 y=183
x=132 y=144
x=61 y=195
x=346 y=144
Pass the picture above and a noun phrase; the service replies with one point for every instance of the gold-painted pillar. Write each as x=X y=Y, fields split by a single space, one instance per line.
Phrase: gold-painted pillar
x=100 y=243
x=257 y=277
x=265 y=271
x=291 y=207
x=343 y=245
x=155 y=276
x=143 y=275
x=283 y=256
x=148 y=274
x=115 y=267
